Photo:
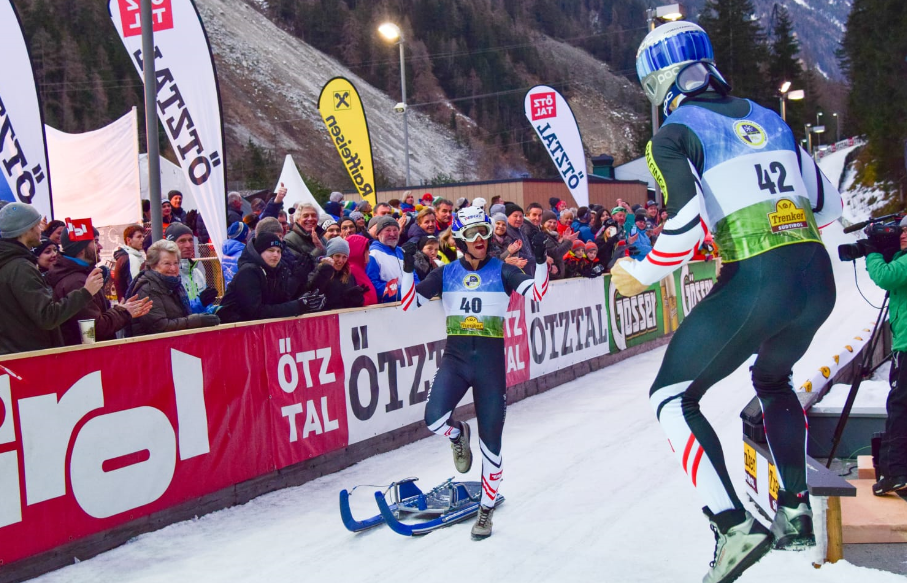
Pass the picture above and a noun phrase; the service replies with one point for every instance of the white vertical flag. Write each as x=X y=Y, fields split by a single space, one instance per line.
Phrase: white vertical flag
x=188 y=99
x=23 y=153
x=297 y=191
x=555 y=124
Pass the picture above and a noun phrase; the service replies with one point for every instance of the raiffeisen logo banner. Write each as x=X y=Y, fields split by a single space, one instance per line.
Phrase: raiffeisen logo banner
x=343 y=115
x=188 y=101
x=23 y=154
x=555 y=124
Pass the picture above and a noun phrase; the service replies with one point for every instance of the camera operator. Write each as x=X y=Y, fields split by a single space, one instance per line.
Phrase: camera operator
x=891 y=276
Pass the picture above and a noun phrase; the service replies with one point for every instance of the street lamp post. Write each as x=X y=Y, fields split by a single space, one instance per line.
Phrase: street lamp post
x=809 y=138
x=392 y=33
x=837 y=127
x=818 y=129
x=787 y=95
x=655 y=16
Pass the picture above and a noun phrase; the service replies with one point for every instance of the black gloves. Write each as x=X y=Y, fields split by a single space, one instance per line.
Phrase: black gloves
x=355 y=296
x=538 y=247
x=203 y=320
x=409 y=256
x=311 y=302
x=208 y=295
x=632 y=250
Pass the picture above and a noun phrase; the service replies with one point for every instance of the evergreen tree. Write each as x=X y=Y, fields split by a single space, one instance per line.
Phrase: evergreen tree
x=873 y=59
x=740 y=49
x=784 y=66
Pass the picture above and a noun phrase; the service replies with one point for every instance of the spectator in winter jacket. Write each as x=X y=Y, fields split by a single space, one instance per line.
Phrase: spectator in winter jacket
x=234 y=208
x=426 y=256
x=192 y=273
x=47 y=253
x=426 y=223
x=443 y=213
x=167 y=215
x=331 y=229
x=358 y=260
x=347 y=228
x=565 y=222
x=54 y=231
x=176 y=206
x=128 y=259
x=639 y=241
x=70 y=274
x=335 y=280
x=237 y=236
x=384 y=264
x=408 y=205
x=303 y=236
x=592 y=267
x=575 y=260
x=259 y=289
x=30 y=318
x=532 y=222
x=556 y=247
x=556 y=205
x=160 y=282
x=515 y=237
x=581 y=224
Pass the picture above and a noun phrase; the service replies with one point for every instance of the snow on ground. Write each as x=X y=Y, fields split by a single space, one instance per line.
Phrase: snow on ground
x=593 y=494
x=859 y=203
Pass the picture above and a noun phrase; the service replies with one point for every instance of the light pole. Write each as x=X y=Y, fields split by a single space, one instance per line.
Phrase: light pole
x=794 y=95
x=655 y=16
x=809 y=138
x=837 y=127
x=392 y=33
x=818 y=129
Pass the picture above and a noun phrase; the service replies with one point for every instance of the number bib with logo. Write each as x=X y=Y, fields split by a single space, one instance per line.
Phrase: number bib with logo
x=755 y=198
x=475 y=301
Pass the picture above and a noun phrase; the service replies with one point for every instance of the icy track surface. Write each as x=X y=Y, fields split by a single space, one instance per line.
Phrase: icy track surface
x=593 y=494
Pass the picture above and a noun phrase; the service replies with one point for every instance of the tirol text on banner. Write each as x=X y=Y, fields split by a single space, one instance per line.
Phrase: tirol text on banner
x=188 y=99
x=23 y=153
x=343 y=114
x=555 y=124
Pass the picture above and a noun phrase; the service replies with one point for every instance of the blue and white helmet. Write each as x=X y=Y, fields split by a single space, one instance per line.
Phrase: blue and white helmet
x=471 y=223
x=665 y=51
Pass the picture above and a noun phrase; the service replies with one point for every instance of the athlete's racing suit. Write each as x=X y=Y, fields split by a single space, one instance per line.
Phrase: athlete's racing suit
x=476 y=304
x=727 y=165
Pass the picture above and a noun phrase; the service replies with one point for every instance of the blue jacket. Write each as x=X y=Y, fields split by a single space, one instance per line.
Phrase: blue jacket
x=232 y=250
x=584 y=230
x=385 y=265
x=643 y=244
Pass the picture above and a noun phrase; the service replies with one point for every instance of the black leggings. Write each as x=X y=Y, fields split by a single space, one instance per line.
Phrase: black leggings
x=478 y=363
x=893 y=453
x=770 y=305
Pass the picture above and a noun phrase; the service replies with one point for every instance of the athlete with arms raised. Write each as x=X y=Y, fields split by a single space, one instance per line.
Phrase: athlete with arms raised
x=476 y=292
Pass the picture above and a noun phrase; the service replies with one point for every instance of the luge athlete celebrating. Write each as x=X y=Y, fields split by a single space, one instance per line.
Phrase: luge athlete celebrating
x=475 y=291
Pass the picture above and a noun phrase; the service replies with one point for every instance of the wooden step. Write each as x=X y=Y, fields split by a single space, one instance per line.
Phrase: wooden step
x=873 y=519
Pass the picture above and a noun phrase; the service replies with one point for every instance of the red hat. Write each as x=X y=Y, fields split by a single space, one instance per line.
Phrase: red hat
x=591 y=245
x=578 y=244
x=427 y=196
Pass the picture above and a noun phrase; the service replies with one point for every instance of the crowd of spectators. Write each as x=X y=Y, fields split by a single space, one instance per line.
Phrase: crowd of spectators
x=277 y=262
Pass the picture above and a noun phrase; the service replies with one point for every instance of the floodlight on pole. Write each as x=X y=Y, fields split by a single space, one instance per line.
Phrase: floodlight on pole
x=785 y=86
x=786 y=94
x=392 y=33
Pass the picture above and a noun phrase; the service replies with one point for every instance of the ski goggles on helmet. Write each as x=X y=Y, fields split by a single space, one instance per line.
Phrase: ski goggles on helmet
x=471 y=233
x=666 y=49
x=692 y=80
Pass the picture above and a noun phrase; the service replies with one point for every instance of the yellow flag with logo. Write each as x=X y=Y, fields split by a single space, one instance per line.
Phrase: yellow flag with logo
x=343 y=115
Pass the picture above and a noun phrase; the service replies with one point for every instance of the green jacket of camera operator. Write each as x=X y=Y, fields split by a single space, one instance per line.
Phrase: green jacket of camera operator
x=892 y=277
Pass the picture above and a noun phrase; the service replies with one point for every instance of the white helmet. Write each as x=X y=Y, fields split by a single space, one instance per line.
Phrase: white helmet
x=470 y=223
x=666 y=51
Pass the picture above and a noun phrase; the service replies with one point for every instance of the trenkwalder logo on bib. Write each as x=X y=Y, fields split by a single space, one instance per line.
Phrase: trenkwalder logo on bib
x=750 y=133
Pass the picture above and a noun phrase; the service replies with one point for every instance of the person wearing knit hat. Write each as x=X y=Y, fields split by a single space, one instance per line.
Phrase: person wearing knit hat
x=335 y=246
x=334 y=209
x=192 y=273
x=336 y=196
x=234 y=246
x=556 y=205
x=266 y=242
x=499 y=218
x=334 y=278
x=54 y=231
x=381 y=223
x=360 y=221
x=461 y=202
x=495 y=209
x=385 y=257
x=74 y=248
x=427 y=198
x=30 y=316
x=18 y=218
x=479 y=202
x=512 y=207
x=548 y=216
x=47 y=253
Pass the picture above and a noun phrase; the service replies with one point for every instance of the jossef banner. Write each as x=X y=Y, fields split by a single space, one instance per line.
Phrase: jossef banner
x=554 y=122
x=343 y=114
x=188 y=99
x=23 y=155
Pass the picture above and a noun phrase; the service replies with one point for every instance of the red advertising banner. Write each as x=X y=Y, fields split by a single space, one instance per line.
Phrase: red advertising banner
x=516 y=341
x=131 y=16
x=305 y=389
x=91 y=439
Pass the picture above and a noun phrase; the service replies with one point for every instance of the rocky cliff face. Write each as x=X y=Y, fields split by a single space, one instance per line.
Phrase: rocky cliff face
x=270 y=82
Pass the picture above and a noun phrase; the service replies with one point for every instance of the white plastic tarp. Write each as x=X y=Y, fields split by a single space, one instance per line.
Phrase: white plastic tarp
x=96 y=174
